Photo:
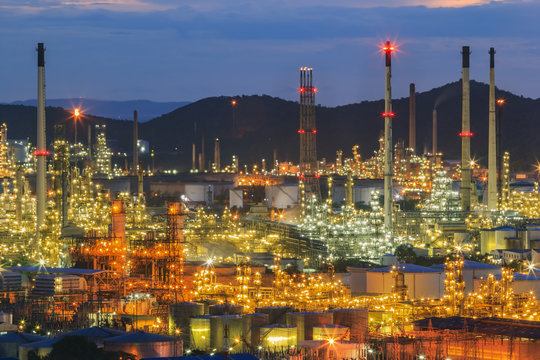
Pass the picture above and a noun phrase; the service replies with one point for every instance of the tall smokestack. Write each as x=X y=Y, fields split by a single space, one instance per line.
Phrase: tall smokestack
x=217 y=156
x=465 y=134
x=434 y=135
x=202 y=159
x=193 y=158
x=388 y=114
x=412 y=117
x=135 y=143
x=41 y=150
x=89 y=143
x=492 y=145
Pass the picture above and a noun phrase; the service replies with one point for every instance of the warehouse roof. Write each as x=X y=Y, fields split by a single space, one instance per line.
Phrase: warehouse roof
x=139 y=337
x=470 y=264
x=18 y=337
x=494 y=326
x=95 y=332
x=406 y=268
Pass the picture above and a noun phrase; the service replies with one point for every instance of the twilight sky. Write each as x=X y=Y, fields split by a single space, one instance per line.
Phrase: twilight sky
x=176 y=50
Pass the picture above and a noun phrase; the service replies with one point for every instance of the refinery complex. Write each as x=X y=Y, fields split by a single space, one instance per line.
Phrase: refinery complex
x=402 y=255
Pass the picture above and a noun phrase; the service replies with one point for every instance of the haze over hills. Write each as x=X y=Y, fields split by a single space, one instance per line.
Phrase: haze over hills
x=119 y=110
x=266 y=123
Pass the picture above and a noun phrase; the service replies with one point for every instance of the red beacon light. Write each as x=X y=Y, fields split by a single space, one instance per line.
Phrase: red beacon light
x=314 y=131
x=301 y=131
x=41 y=153
x=388 y=114
x=466 y=134
x=302 y=89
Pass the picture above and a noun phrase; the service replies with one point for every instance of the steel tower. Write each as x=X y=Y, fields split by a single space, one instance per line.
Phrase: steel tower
x=308 y=132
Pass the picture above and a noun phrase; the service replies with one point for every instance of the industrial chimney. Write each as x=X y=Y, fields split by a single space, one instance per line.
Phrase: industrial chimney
x=217 y=156
x=465 y=134
x=41 y=150
x=388 y=115
x=412 y=117
x=135 y=143
x=492 y=145
x=434 y=135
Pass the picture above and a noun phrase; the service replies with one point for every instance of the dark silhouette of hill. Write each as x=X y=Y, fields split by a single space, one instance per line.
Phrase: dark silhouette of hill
x=119 y=110
x=266 y=123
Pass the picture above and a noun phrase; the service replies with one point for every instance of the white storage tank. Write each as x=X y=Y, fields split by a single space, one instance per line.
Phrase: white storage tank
x=357 y=320
x=217 y=331
x=278 y=336
x=179 y=318
x=305 y=321
x=145 y=345
x=252 y=324
x=10 y=342
x=199 y=333
x=236 y=198
x=283 y=196
x=331 y=332
x=421 y=281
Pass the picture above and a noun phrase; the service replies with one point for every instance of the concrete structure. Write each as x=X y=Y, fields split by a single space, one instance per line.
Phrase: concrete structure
x=465 y=134
x=492 y=143
x=179 y=318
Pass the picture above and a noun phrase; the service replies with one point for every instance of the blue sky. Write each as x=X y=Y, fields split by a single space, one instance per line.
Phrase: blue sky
x=175 y=50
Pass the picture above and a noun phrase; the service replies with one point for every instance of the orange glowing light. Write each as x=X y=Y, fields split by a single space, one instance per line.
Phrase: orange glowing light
x=233 y=103
x=77 y=112
x=500 y=101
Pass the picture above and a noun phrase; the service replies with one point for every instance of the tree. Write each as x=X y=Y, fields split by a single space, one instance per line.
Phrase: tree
x=405 y=254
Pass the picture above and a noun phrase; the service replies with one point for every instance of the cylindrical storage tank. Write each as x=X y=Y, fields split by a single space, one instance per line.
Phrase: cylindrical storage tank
x=207 y=303
x=200 y=333
x=10 y=342
x=145 y=345
x=305 y=321
x=276 y=314
x=278 y=336
x=179 y=316
x=331 y=331
x=229 y=309
x=357 y=320
x=252 y=328
x=6 y=318
x=217 y=331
